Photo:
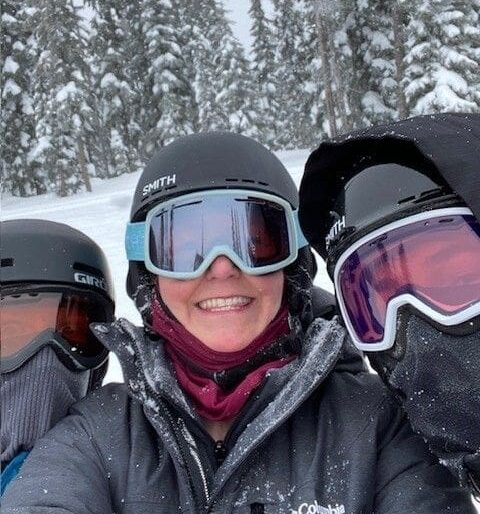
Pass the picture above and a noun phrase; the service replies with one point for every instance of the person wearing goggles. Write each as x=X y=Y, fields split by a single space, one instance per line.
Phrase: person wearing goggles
x=238 y=398
x=55 y=281
x=403 y=250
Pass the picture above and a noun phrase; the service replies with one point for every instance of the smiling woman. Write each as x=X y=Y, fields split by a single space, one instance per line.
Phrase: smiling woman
x=237 y=399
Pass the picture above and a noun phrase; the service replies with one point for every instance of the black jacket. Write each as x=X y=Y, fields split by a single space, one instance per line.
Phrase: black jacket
x=322 y=435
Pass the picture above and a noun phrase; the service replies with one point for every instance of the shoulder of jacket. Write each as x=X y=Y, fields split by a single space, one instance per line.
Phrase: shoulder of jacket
x=363 y=391
x=110 y=400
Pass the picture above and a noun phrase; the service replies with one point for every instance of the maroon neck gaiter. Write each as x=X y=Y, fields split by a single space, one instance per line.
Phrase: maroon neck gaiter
x=196 y=364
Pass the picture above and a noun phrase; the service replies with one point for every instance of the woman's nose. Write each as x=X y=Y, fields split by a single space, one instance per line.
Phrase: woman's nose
x=222 y=267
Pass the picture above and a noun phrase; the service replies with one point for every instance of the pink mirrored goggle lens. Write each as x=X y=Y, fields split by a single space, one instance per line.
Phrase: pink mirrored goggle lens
x=437 y=261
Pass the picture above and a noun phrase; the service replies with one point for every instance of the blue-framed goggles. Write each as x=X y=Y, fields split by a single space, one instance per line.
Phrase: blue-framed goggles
x=181 y=237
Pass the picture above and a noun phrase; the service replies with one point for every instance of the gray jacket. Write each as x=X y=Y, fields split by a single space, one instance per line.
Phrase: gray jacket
x=321 y=436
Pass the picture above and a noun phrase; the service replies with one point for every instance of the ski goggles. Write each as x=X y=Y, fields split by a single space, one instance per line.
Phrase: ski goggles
x=430 y=261
x=32 y=319
x=180 y=238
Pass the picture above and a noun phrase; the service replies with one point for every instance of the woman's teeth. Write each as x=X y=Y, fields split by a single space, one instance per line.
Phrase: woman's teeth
x=224 y=304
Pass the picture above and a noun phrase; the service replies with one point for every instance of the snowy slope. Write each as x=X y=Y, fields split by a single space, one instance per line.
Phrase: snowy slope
x=103 y=214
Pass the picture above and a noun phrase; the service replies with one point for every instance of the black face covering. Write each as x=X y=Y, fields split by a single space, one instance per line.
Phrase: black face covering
x=34 y=398
x=436 y=374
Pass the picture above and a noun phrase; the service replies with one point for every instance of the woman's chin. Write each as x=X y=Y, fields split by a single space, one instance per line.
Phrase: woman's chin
x=226 y=342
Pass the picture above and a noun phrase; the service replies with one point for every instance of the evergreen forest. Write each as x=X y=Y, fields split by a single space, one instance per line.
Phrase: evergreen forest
x=94 y=96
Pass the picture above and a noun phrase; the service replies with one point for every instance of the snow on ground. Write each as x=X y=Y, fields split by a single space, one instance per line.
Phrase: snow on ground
x=103 y=214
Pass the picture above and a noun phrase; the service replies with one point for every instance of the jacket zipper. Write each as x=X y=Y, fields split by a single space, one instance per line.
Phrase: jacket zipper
x=192 y=446
x=220 y=452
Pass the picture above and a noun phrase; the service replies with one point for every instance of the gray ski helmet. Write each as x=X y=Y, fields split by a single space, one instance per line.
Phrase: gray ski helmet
x=37 y=251
x=443 y=147
x=376 y=196
x=198 y=162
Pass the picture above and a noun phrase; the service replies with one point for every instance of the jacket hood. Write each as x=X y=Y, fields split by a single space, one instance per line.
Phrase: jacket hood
x=443 y=146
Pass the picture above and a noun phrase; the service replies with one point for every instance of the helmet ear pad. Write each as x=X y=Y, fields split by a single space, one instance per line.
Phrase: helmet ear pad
x=140 y=287
x=97 y=376
x=298 y=286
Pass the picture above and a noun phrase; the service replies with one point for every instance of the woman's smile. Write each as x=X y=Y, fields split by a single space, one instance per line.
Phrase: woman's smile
x=231 y=303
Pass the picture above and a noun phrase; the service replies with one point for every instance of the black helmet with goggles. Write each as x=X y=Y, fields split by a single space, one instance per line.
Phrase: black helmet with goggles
x=209 y=194
x=58 y=279
x=380 y=207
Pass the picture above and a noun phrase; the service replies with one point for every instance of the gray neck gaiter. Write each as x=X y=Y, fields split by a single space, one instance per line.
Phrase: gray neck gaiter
x=34 y=398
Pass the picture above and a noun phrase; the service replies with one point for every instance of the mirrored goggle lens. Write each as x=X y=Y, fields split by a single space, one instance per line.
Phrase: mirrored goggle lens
x=436 y=261
x=23 y=317
x=184 y=234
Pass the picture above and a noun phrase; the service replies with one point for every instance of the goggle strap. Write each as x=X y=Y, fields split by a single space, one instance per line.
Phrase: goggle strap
x=135 y=241
x=301 y=239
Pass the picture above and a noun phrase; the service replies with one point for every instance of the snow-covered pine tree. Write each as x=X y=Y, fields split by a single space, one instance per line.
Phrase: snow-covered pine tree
x=469 y=49
x=379 y=100
x=263 y=74
x=189 y=38
x=353 y=79
x=309 y=62
x=295 y=85
x=135 y=65
x=19 y=170
x=114 y=149
x=167 y=76
x=60 y=97
x=223 y=81
x=441 y=74
x=237 y=93
x=324 y=28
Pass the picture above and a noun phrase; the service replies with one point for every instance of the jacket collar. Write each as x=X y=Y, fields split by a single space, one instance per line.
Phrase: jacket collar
x=146 y=371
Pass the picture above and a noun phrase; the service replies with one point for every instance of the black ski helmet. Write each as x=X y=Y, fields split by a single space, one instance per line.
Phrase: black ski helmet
x=210 y=160
x=421 y=161
x=41 y=252
x=199 y=162
x=37 y=251
x=375 y=197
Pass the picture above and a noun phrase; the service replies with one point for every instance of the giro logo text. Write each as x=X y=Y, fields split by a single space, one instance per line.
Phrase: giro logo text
x=83 y=278
x=167 y=180
x=316 y=508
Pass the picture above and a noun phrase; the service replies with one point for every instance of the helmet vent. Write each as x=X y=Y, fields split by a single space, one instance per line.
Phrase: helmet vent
x=424 y=195
x=432 y=193
x=407 y=199
x=247 y=181
x=6 y=263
